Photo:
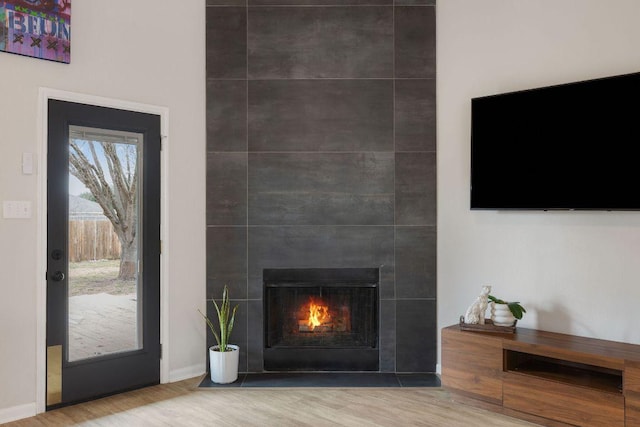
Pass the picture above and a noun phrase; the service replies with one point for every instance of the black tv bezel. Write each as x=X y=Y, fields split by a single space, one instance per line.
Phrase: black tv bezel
x=533 y=207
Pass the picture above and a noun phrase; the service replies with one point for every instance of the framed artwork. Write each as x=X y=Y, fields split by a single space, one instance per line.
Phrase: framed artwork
x=37 y=28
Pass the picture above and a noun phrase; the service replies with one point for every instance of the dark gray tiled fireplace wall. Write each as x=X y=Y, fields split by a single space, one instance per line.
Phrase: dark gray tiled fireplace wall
x=321 y=153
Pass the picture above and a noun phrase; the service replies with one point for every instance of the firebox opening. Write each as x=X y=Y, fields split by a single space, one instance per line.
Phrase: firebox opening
x=321 y=319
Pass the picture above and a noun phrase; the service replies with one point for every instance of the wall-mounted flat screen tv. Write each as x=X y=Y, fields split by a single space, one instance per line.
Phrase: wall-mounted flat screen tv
x=569 y=146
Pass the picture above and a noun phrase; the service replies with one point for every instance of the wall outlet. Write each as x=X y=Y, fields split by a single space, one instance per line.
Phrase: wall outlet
x=16 y=209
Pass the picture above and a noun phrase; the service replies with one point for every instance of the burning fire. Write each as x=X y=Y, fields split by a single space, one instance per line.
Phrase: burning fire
x=318 y=315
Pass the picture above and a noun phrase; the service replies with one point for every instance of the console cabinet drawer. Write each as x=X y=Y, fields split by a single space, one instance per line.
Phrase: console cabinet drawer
x=472 y=364
x=566 y=403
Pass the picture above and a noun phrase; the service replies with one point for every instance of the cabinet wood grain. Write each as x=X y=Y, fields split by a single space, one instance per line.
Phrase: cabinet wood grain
x=472 y=364
x=632 y=409
x=632 y=377
x=562 y=402
x=554 y=379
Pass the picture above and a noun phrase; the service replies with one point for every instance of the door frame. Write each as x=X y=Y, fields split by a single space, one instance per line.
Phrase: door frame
x=44 y=95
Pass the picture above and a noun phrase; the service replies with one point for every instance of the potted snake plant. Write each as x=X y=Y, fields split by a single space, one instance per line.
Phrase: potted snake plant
x=223 y=357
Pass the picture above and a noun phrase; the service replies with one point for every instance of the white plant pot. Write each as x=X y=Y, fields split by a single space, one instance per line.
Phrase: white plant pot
x=224 y=364
x=501 y=315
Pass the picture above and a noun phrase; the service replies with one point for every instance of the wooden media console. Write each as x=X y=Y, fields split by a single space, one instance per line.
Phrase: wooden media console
x=549 y=378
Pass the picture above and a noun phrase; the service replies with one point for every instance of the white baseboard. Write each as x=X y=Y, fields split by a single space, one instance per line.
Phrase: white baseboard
x=186 y=373
x=17 y=412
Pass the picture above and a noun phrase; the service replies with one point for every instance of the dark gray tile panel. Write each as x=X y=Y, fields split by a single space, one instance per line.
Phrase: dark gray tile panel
x=320 y=247
x=227 y=261
x=206 y=381
x=320 y=2
x=387 y=334
x=321 y=189
x=226 y=189
x=327 y=379
x=415 y=115
x=226 y=2
x=387 y=281
x=415 y=189
x=415 y=2
x=419 y=380
x=321 y=115
x=321 y=178
x=226 y=115
x=416 y=262
x=255 y=342
x=226 y=42
x=317 y=42
x=324 y=379
x=416 y=336
x=415 y=42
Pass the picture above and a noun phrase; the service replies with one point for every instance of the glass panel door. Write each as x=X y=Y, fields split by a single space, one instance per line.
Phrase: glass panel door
x=104 y=207
x=103 y=247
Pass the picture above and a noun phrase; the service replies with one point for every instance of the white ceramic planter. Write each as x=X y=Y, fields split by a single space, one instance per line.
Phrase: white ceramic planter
x=224 y=364
x=501 y=315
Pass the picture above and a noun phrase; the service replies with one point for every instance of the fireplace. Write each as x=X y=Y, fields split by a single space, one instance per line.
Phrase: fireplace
x=321 y=319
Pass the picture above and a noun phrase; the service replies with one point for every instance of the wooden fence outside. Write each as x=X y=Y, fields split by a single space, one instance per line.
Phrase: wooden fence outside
x=91 y=240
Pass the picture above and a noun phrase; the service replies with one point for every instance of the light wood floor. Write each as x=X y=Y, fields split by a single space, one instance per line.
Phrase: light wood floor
x=182 y=404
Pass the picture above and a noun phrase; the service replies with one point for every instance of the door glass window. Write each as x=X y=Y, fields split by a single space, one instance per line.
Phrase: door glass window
x=104 y=283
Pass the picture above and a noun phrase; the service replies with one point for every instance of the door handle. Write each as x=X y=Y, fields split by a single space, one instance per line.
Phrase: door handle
x=58 y=276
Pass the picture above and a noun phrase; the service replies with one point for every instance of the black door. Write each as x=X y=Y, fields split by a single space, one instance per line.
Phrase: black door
x=103 y=246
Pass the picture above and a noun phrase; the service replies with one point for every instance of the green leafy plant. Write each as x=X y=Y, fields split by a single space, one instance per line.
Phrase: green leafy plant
x=226 y=316
x=516 y=309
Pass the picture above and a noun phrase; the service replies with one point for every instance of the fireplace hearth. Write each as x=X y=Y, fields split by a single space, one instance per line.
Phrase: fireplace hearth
x=321 y=319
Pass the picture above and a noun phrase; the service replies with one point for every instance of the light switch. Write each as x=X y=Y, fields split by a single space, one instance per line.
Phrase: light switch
x=16 y=209
x=24 y=209
x=8 y=209
x=27 y=163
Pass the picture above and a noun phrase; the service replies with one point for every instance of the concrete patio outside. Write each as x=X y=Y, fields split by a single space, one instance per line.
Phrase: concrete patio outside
x=101 y=324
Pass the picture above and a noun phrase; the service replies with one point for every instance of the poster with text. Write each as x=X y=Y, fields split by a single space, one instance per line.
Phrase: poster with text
x=37 y=28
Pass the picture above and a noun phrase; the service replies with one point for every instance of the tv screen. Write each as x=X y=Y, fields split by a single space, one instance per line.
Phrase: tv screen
x=570 y=146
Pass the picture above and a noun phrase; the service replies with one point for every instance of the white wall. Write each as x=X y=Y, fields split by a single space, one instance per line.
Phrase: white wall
x=575 y=272
x=144 y=51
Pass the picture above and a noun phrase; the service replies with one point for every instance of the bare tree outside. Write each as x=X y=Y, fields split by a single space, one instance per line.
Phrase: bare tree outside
x=105 y=177
x=110 y=172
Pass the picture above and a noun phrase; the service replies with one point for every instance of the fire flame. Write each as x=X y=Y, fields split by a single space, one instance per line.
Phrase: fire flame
x=318 y=314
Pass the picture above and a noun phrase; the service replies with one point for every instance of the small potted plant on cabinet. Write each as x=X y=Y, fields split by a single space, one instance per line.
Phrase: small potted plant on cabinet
x=223 y=357
x=505 y=313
